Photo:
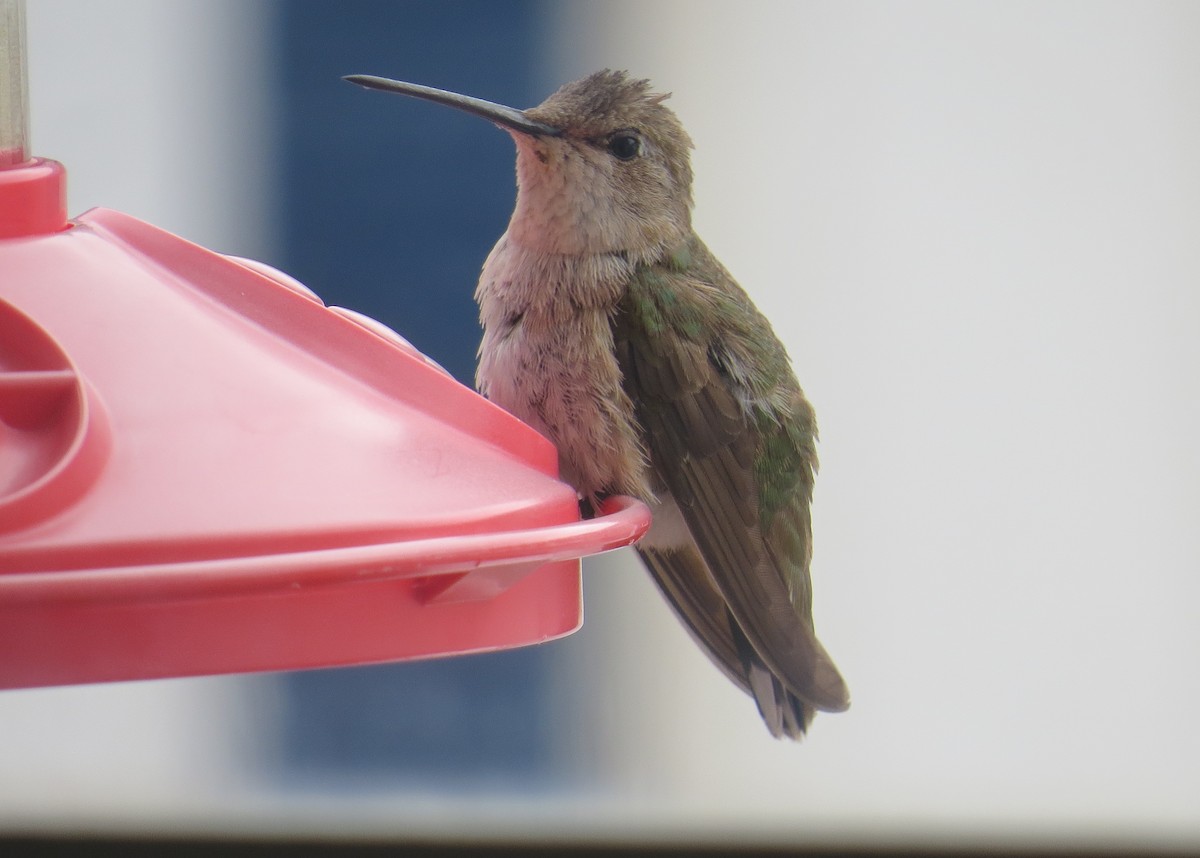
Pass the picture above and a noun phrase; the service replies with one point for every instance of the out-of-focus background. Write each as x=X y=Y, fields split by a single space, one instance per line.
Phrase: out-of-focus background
x=976 y=228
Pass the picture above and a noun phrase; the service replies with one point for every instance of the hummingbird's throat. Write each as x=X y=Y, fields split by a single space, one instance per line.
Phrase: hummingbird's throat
x=569 y=202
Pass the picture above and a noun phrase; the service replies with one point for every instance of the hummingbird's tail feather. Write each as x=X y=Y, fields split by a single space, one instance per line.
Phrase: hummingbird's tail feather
x=783 y=712
x=796 y=716
x=763 y=686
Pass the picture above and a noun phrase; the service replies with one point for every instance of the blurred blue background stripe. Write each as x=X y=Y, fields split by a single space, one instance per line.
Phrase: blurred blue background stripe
x=389 y=206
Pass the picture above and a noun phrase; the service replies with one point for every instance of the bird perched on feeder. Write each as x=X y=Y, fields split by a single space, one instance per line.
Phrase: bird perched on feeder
x=612 y=329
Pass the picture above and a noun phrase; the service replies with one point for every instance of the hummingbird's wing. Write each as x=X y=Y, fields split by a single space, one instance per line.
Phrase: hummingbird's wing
x=684 y=579
x=731 y=437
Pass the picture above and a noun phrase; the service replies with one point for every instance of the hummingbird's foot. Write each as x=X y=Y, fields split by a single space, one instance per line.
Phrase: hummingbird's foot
x=589 y=507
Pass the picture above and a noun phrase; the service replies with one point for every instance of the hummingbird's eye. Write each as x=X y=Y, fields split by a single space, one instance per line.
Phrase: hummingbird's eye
x=625 y=145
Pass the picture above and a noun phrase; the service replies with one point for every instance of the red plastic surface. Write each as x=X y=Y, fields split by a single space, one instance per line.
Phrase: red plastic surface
x=205 y=470
x=33 y=199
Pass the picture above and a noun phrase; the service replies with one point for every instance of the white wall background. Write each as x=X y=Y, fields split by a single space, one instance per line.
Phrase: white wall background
x=158 y=108
x=154 y=107
x=975 y=227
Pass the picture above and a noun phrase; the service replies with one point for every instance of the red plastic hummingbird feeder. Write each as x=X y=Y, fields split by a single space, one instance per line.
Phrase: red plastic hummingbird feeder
x=203 y=469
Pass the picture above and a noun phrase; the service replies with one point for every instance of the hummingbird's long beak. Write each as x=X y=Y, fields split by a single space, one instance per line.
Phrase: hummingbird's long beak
x=504 y=116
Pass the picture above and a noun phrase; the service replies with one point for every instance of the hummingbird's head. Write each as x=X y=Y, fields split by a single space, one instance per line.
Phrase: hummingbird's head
x=615 y=178
x=602 y=165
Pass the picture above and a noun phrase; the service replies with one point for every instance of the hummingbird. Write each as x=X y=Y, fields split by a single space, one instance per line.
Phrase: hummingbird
x=611 y=328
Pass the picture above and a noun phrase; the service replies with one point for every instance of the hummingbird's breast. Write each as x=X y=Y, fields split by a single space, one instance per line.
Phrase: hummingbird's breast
x=547 y=357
